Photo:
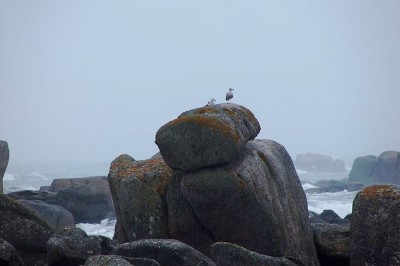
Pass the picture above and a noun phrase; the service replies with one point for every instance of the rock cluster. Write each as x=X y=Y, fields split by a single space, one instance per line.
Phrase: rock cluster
x=384 y=169
x=312 y=162
x=214 y=183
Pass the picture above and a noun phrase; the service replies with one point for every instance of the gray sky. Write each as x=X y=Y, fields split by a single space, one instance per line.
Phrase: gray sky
x=90 y=80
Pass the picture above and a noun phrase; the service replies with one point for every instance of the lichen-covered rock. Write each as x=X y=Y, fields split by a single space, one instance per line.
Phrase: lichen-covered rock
x=333 y=243
x=228 y=254
x=375 y=226
x=4 y=156
x=139 y=190
x=206 y=136
x=71 y=246
x=9 y=255
x=22 y=227
x=113 y=260
x=164 y=251
x=257 y=203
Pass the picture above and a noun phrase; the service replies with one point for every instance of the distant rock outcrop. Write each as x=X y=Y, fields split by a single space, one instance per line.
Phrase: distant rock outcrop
x=375 y=226
x=384 y=169
x=206 y=136
x=214 y=183
x=312 y=162
x=4 y=156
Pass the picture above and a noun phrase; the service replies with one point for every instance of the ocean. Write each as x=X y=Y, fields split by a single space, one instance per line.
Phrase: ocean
x=42 y=175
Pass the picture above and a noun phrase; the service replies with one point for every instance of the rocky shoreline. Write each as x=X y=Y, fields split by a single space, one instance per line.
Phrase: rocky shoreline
x=214 y=195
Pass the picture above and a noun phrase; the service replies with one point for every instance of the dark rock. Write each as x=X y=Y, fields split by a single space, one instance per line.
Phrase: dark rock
x=55 y=215
x=333 y=243
x=98 y=183
x=227 y=254
x=21 y=226
x=164 y=251
x=207 y=136
x=331 y=186
x=4 y=156
x=9 y=255
x=388 y=167
x=311 y=162
x=375 y=227
x=113 y=260
x=45 y=196
x=86 y=204
x=257 y=203
x=331 y=217
x=139 y=190
x=106 y=244
x=71 y=246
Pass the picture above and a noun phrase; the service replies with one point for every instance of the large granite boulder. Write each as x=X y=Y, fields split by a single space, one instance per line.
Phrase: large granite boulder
x=206 y=136
x=228 y=254
x=71 y=246
x=384 y=169
x=164 y=251
x=312 y=162
x=139 y=190
x=257 y=203
x=4 y=156
x=375 y=226
x=22 y=227
x=9 y=255
x=113 y=260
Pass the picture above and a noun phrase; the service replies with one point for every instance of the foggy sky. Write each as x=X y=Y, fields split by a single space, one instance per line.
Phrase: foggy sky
x=90 y=80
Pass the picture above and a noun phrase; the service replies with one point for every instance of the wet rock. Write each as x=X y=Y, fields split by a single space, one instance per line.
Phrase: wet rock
x=227 y=254
x=71 y=246
x=375 y=226
x=206 y=136
x=22 y=227
x=164 y=251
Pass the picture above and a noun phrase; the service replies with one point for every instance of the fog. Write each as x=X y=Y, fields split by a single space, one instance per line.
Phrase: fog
x=86 y=81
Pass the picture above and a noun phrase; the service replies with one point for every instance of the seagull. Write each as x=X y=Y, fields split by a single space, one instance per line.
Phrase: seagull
x=211 y=102
x=229 y=94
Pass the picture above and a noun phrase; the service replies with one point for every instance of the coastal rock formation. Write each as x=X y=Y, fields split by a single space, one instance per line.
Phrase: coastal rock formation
x=206 y=136
x=4 y=156
x=139 y=190
x=238 y=190
x=113 y=260
x=24 y=229
x=375 y=227
x=9 y=255
x=383 y=169
x=227 y=254
x=311 y=162
x=164 y=251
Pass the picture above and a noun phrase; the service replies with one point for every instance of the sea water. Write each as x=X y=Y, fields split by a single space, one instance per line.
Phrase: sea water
x=15 y=180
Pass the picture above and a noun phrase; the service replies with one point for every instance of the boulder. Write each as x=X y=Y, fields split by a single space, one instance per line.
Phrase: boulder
x=9 y=255
x=312 y=162
x=375 y=226
x=71 y=246
x=331 y=217
x=228 y=254
x=4 y=156
x=333 y=243
x=22 y=227
x=363 y=169
x=332 y=185
x=164 y=251
x=257 y=203
x=113 y=260
x=139 y=190
x=55 y=215
x=206 y=136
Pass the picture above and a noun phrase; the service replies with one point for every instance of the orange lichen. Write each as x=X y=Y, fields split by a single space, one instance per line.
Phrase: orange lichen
x=381 y=191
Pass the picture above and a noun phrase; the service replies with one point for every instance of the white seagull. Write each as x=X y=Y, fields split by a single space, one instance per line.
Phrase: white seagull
x=211 y=102
x=229 y=94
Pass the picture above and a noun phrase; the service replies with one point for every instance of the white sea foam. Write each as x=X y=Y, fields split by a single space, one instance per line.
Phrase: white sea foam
x=105 y=228
x=308 y=186
x=36 y=175
x=339 y=202
x=8 y=177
